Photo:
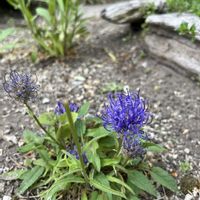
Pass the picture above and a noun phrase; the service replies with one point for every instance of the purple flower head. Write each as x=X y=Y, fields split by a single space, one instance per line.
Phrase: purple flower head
x=60 y=109
x=74 y=152
x=132 y=144
x=20 y=86
x=73 y=107
x=125 y=113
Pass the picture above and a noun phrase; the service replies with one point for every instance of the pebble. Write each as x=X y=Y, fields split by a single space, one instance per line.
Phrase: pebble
x=2 y=184
x=10 y=138
x=6 y=197
x=186 y=150
x=46 y=101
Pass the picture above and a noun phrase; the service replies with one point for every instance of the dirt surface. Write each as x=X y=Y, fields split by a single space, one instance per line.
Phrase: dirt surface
x=111 y=54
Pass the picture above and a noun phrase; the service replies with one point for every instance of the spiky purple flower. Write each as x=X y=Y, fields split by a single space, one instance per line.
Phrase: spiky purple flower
x=20 y=86
x=60 y=109
x=132 y=144
x=126 y=114
x=74 y=152
x=73 y=107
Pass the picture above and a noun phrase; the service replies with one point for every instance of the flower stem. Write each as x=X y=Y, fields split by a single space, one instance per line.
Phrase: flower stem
x=41 y=126
x=76 y=141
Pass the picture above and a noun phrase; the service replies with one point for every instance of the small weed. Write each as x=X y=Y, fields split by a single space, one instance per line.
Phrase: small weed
x=112 y=87
x=185 y=166
x=185 y=29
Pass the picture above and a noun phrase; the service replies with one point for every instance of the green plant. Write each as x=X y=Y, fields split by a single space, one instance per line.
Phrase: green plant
x=185 y=29
x=4 y=34
x=112 y=87
x=97 y=157
x=185 y=166
x=61 y=25
x=192 y=6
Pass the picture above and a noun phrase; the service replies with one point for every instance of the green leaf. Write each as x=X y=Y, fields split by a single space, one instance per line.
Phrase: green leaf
x=31 y=177
x=60 y=185
x=141 y=181
x=44 y=155
x=162 y=177
x=63 y=132
x=92 y=155
x=98 y=132
x=12 y=175
x=64 y=120
x=108 y=142
x=122 y=183
x=31 y=137
x=110 y=161
x=94 y=195
x=47 y=118
x=5 y=33
x=84 y=109
x=27 y=148
x=81 y=127
x=44 y=13
x=61 y=5
x=7 y=47
x=84 y=195
x=39 y=162
x=133 y=198
x=99 y=183
x=150 y=146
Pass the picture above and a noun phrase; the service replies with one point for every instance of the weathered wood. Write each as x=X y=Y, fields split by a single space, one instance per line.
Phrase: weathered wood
x=130 y=11
x=164 y=42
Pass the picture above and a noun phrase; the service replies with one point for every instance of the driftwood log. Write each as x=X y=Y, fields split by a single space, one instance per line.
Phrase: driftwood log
x=178 y=51
x=130 y=11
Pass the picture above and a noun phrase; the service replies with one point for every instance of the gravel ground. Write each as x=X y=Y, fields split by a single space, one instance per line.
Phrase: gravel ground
x=111 y=54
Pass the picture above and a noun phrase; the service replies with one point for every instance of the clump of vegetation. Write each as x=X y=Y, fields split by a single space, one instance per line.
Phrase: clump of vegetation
x=92 y=157
x=192 y=6
x=185 y=29
x=4 y=34
x=55 y=27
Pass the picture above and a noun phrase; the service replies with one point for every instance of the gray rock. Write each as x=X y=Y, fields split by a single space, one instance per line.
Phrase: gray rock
x=177 y=51
x=172 y=21
x=130 y=11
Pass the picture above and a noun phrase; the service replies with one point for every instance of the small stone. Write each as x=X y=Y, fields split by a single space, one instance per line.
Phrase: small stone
x=2 y=184
x=46 y=101
x=185 y=131
x=6 y=197
x=1 y=170
x=188 y=197
x=186 y=150
x=10 y=138
x=1 y=152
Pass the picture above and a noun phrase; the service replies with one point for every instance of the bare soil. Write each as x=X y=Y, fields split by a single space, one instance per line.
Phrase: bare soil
x=111 y=54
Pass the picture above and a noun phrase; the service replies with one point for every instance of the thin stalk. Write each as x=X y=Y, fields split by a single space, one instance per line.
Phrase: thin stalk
x=42 y=127
x=76 y=141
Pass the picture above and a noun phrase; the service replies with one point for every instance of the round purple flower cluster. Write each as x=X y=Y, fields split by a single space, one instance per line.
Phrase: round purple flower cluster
x=20 y=86
x=126 y=114
x=60 y=109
